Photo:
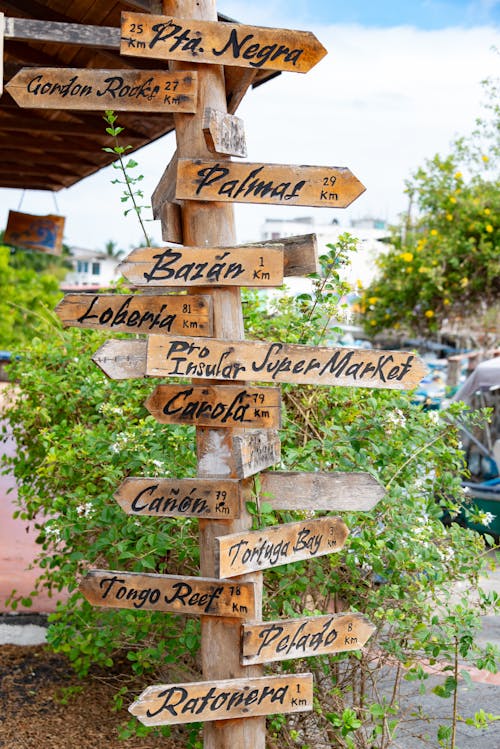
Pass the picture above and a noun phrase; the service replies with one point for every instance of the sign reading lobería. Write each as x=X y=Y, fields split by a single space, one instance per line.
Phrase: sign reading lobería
x=167 y=38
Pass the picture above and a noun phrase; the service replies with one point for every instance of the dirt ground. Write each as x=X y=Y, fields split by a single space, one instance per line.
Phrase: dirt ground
x=32 y=680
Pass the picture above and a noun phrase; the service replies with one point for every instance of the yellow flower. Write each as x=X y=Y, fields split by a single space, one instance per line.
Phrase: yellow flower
x=423 y=269
x=387 y=316
x=434 y=232
x=464 y=282
x=373 y=300
x=453 y=199
x=373 y=322
x=458 y=175
x=449 y=217
x=485 y=158
x=406 y=256
x=446 y=302
x=429 y=313
x=489 y=228
x=359 y=284
x=409 y=269
x=487 y=211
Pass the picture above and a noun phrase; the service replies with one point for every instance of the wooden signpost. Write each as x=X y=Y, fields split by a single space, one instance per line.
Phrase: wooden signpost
x=197 y=498
x=167 y=704
x=216 y=406
x=238 y=454
x=272 y=184
x=224 y=133
x=92 y=89
x=180 y=595
x=168 y=38
x=303 y=638
x=132 y=313
x=240 y=553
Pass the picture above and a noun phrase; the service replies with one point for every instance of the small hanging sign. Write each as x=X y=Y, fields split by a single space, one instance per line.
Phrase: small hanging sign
x=42 y=233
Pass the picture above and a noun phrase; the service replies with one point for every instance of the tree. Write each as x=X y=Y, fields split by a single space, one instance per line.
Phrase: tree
x=445 y=262
x=112 y=250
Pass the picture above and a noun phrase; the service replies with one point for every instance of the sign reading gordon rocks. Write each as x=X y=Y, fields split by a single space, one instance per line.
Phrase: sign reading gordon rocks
x=239 y=553
x=167 y=38
x=216 y=405
x=200 y=596
x=166 y=313
x=302 y=638
x=274 y=184
x=92 y=89
x=198 y=498
x=280 y=362
x=166 y=704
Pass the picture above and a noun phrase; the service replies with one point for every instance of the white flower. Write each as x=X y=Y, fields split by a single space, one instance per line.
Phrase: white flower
x=85 y=510
x=434 y=417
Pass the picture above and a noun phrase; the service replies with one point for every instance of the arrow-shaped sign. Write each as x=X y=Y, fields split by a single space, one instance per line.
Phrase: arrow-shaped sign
x=167 y=38
x=274 y=184
x=92 y=89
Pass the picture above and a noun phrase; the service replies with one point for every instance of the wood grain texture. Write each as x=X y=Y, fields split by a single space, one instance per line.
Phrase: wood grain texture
x=194 y=40
x=171 y=223
x=164 y=191
x=270 y=184
x=239 y=553
x=224 y=133
x=2 y=32
x=254 y=265
x=291 y=490
x=196 y=596
x=42 y=233
x=122 y=359
x=304 y=637
x=255 y=450
x=167 y=704
x=97 y=90
x=134 y=313
x=28 y=29
x=198 y=498
x=278 y=362
x=216 y=406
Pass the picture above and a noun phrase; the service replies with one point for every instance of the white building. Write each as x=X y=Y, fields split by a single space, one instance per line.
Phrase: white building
x=368 y=231
x=92 y=270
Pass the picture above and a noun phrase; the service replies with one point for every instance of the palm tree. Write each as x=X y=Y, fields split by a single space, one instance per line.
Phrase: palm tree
x=112 y=251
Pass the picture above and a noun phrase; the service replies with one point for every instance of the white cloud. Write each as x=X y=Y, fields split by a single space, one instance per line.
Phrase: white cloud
x=381 y=102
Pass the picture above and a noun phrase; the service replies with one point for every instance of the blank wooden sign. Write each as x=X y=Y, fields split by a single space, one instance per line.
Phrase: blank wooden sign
x=166 y=704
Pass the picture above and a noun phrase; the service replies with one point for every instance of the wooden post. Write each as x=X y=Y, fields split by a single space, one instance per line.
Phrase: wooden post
x=211 y=225
x=2 y=28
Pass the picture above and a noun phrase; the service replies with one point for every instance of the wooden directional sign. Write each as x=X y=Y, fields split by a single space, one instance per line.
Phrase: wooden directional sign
x=167 y=38
x=255 y=450
x=303 y=638
x=239 y=553
x=274 y=184
x=193 y=702
x=198 y=596
x=224 y=133
x=122 y=359
x=216 y=406
x=197 y=266
x=280 y=362
x=133 y=313
x=196 y=498
x=91 y=89
x=320 y=491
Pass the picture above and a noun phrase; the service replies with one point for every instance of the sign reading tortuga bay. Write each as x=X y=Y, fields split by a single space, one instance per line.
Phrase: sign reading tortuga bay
x=301 y=638
x=280 y=362
x=180 y=595
x=275 y=184
x=91 y=89
x=167 y=38
x=165 y=704
x=131 y=313
x=244 y=552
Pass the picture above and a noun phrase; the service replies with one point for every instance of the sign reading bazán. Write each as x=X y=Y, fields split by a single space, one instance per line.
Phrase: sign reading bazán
x=200 y=596
x=196 y=498
x=303 y=638
x=166 y=704
x=280 y=362
x=168 y=38
x=216 y=406
x=239 y=553
x=275 y=184
x=201 y=266
x=92 y=89
x=133 y=313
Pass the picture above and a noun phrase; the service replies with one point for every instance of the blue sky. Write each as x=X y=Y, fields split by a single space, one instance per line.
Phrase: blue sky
x=422 y=14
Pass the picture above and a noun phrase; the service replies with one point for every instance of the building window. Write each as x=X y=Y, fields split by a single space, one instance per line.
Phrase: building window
x=96 y=269
x=82 y=266
x=275 y=235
